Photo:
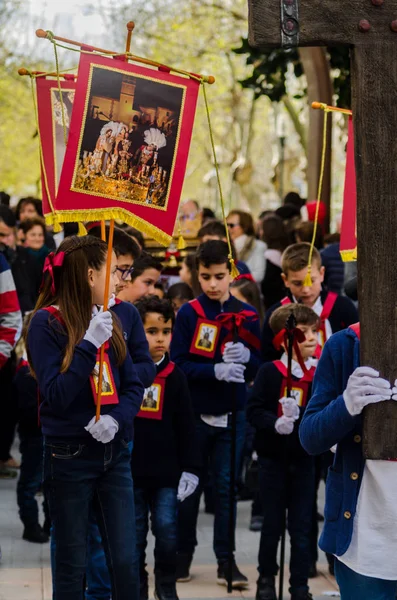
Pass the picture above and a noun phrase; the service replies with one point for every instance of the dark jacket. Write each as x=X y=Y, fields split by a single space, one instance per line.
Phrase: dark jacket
x=210 y=396
x=136 y=341
x=27 y=276
x=327 y=422
x=273 y=289
x=343 y=314
x=262 y=414
x=334 y=268
x=67 y=402
x=164 y=448
x=26 y=397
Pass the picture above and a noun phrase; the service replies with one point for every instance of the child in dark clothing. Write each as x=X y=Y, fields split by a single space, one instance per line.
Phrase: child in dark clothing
x=210 y=368
x=166 y=469
x=335 y=312
x=31 y=448
x=286 y=471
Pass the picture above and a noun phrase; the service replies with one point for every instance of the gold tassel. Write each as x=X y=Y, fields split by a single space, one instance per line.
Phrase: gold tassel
x=57 y=226
x=181 y=242
x=234 y=272
x=354 y=256
x=82 y=230
x=307 y=282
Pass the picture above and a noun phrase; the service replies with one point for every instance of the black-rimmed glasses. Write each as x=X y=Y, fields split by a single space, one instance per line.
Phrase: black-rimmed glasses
x=125 y=273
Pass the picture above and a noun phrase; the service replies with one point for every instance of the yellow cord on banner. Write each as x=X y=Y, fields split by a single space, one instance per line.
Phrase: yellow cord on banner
x=56 y=226
x=234 y=271
x=308 y=279
x=50 y=36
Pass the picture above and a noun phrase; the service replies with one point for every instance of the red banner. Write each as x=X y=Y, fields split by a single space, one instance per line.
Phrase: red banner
x=348 y=241
x=128 y=146
x=52 y=137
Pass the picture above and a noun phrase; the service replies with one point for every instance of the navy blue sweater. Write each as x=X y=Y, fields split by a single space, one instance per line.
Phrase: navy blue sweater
x=164 y=448
x=262 y=414
x=67 y=403
x=210 y=396
x=135 y=338
x=334 y=268
x=343 y=314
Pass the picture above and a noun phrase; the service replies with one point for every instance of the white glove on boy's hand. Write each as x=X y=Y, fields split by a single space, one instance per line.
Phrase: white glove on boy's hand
x=236 y=353
x=230 y=372
x=103 y=430
x=187 y=485
x=365 y=387
x=100 y=329
x=290 y=408
x=284 y=425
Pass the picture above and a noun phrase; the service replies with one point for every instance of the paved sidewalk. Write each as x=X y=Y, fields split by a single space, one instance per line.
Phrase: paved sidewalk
x=25 y=567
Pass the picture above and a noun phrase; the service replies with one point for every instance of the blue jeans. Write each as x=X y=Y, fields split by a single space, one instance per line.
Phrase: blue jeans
x=215 y=445
x=162 y=504
x=31 y=475
x=78 y=479
x=352 y=585
x=287 y=487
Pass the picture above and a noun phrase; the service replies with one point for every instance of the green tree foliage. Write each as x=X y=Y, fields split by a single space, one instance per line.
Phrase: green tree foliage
x=269 y=71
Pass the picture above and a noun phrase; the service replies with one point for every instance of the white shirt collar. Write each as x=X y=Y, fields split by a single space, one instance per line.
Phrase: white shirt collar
x=160 y=361
x=296 y=368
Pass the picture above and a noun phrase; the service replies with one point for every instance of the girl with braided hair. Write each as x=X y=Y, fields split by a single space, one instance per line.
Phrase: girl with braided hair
x=86 y=463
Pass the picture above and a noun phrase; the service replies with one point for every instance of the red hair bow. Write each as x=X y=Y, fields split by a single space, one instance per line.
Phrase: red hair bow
x=51 y=262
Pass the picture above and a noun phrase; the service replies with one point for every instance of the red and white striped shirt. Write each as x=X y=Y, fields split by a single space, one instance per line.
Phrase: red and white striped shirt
x=10 y=314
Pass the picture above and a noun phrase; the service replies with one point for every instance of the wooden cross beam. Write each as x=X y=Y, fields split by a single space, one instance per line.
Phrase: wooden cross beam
x=369 y=28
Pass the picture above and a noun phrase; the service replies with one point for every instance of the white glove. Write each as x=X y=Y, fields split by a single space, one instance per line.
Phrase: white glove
x=100 y=329
x=187 y=485
x=103 y=430
x=365 y=387
x=394 y=391
x=284 y=425
x=290 y=408
x=236 y=353
x=230 y=372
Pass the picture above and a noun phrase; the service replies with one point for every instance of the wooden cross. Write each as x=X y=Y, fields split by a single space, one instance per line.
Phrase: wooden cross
x=369 y=28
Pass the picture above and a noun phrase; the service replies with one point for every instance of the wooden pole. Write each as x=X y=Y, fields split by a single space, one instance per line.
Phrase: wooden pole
x=105 y=307
x=103 y=231
x=23 y=72
x=41 y=33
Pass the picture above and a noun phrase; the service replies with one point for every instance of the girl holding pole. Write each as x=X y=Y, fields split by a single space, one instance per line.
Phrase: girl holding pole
x=86 y=461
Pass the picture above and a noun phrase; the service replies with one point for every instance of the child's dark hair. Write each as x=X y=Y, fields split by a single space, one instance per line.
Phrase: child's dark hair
x=123 y=244
x=296 y=257
x=180 y=291
x=249 y=289
x=154 y=304
x=303 y=316
x=213 y=252
x=145 y=261
x=213 y=228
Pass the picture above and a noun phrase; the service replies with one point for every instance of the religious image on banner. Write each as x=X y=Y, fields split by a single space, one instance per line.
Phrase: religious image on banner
x=51 y=132
x=129 y=141
x=129 y=137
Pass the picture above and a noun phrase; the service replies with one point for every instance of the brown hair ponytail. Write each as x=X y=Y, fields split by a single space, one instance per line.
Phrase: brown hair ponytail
x=73 y=295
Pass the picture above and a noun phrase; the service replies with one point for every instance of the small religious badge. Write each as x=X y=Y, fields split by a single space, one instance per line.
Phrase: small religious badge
x=152 y=404
x=205 y=338
x=109 y=391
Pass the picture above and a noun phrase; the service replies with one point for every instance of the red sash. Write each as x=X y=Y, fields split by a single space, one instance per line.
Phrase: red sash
x=285 y=301
x=153 y=398
x=299 y=389
x=207 y=331
x=356 y=328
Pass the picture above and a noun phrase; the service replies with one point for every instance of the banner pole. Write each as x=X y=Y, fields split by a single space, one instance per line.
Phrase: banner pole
x=105 y=307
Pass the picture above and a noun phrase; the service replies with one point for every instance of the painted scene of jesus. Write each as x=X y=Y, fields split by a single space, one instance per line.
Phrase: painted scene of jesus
x=129 y=137
x=151 y=398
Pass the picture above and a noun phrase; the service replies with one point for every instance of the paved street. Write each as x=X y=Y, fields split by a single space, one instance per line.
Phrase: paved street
x=25 y=567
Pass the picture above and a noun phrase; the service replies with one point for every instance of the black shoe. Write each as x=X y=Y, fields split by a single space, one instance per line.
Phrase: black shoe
x=313 y=570
x=301 y=596
x=165 y=591
x=239 y=581
x=183 y=563
x=256 y=524
x=266 y=589
x=35 y=534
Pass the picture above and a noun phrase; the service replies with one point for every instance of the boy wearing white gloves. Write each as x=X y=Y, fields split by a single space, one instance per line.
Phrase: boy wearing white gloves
x=360 y=507
x=286 y=471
